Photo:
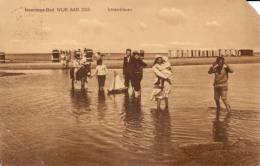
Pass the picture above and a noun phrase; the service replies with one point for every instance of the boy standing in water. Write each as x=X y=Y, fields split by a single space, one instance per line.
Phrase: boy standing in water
x=221 y=70
x=101 y=71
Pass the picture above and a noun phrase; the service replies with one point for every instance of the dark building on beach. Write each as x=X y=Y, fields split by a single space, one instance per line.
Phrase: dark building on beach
x=55 y=55
x=246 y=52
x=2 y=57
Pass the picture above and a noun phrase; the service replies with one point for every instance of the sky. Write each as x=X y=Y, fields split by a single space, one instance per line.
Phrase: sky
x=152 y=25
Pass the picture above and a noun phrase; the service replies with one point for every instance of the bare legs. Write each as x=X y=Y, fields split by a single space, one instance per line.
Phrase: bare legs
x=221 y=93
x=166 y=103
x=228 y=107
x=217 y=104
x=158 y=104
x=137 y=93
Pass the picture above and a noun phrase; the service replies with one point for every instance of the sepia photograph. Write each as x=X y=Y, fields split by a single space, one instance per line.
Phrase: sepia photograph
x=129 y=82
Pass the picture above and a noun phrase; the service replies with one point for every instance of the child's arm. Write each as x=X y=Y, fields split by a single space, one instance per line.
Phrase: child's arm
x=159 y=73
x=212 y=69
x=143 y=63
x=94 y=73
x=75 y=64
x=229 y=69
x=106 y=70
x=166 y=65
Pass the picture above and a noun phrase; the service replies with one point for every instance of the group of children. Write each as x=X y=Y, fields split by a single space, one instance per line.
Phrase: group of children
x=100 y=71
x=162 y=70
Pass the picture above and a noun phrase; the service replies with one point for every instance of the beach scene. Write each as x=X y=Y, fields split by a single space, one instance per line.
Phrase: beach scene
x=129 y=83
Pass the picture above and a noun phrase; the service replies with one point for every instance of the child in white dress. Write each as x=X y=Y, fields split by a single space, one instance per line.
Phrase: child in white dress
x=163 y=74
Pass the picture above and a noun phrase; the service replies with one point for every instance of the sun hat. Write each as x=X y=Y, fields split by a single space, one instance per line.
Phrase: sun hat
x=165 y=58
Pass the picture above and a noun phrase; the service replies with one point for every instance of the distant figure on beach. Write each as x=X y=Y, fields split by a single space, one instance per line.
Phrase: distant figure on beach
x=162 y=86
x=67 y=58
x=63 y=57
x=137 y=74
x=80 y=53
x=127 y=67
x=101 y=71
x=221 y=70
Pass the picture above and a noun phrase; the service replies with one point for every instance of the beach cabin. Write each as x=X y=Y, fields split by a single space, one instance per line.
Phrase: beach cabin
x=55 y=55
x=246 y=52
x=88 y=53
x=196 y=53
x=174 y=53
x=2 y=57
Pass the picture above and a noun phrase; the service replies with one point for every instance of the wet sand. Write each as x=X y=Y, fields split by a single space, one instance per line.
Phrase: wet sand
x=240 y=152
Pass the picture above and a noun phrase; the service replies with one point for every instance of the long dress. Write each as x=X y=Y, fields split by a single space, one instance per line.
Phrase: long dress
x=164 y=93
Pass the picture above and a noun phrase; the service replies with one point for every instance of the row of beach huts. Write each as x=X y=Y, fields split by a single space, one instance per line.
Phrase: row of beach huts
x=192 y=53
x=56 y=55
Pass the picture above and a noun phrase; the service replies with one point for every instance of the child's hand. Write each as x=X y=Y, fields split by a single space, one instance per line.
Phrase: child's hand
x=169 y=81
x=214 y=65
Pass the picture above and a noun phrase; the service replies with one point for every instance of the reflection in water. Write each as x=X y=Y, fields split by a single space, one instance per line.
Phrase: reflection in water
x=101 y=96
x=133 y=114
x=80 y=102
x=162 y=133
x=133 y=117
x=101 y=104
x=220 y=127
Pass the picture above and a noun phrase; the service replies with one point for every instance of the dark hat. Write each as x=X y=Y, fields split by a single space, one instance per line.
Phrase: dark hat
x=135 y=53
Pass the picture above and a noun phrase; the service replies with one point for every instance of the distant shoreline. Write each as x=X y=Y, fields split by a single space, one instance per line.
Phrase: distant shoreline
x=5 y=74
x=117 y=64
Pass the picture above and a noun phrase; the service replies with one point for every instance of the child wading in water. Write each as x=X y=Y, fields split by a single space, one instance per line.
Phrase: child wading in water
x=101 y=71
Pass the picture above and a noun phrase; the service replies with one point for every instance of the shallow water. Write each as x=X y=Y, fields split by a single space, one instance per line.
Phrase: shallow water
x=43 y=121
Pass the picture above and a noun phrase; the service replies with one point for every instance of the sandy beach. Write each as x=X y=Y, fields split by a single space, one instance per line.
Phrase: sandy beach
x=117 y=63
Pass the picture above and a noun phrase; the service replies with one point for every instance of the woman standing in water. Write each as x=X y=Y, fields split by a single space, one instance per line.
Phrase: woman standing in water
x=137 y=77
x=162 y=86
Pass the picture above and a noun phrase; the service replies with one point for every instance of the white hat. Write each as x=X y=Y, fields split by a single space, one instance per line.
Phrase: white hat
x=165 y=58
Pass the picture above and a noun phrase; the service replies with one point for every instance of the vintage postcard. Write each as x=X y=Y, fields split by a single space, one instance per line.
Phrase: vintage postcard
x=129 y=82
